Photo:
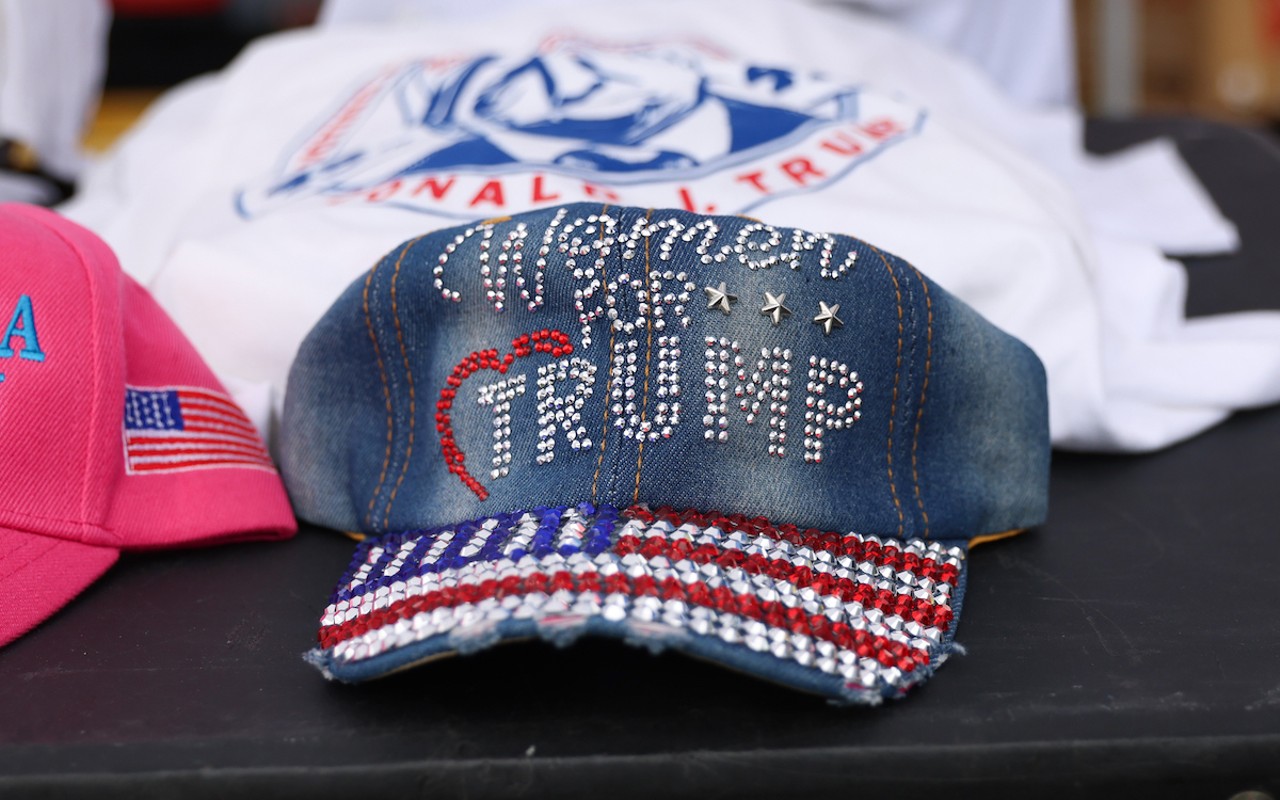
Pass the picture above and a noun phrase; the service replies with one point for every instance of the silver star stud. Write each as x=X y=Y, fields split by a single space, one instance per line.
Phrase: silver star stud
x=773 y=307
x=827 y=317
x=720 y=298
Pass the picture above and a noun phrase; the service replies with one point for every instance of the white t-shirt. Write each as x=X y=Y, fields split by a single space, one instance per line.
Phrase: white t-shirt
x=248 y=200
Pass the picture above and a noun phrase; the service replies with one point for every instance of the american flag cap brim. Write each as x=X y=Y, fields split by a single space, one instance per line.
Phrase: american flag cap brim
x=853 y=618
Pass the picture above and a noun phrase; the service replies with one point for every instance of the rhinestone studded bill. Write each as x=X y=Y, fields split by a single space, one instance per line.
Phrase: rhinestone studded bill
x=856 y=618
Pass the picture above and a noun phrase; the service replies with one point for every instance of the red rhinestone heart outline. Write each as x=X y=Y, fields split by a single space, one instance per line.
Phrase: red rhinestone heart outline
x=551 y=341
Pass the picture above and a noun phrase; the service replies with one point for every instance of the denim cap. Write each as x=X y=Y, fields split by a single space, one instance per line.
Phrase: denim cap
x=758 y=445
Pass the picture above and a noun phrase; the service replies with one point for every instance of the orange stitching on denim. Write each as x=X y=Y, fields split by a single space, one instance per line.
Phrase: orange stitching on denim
x=893 y=405
x=648 y=360
x=386 y=394
x=994 y=537
x=413 y=399
x=928 y=360
x=604 y=422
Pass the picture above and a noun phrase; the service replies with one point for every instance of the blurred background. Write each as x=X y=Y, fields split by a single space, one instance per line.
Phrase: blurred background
x=1218 y=59
x=1213 y=58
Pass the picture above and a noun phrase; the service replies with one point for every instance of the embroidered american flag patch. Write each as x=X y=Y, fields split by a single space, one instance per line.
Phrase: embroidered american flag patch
x=181 y=428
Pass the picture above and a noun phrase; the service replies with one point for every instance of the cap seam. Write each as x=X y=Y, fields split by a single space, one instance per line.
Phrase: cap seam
x=912 y=304
x=893 y=404
x=912 y=369
x=924 y=388
x=386 y=393
x=94 y=423
x=648 y=363
x=604 y=422
x=983 y=538
x=80 y=522
x=408 y=369
x=48 y=545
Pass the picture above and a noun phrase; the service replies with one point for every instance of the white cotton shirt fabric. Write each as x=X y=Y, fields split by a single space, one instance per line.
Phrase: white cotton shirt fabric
x=1027 y=49
x=52 y=59
x=248 y=200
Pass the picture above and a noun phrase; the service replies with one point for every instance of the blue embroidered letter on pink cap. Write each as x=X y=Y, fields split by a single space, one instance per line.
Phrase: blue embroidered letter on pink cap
x=759 y=445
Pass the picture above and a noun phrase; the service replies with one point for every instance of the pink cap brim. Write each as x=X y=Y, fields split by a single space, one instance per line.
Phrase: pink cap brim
x=221 y=505
x=46 y=573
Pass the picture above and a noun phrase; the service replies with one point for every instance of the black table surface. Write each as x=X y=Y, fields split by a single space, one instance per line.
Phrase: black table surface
x=1129 y=647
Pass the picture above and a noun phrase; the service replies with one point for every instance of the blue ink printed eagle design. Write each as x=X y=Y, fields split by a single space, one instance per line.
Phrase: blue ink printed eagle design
x=644 y=123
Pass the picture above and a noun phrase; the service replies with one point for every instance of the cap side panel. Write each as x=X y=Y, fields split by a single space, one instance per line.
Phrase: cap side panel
x=984 y=448
x=336 y=442
x=388 y=377
x=374 y=305
x=106 y=286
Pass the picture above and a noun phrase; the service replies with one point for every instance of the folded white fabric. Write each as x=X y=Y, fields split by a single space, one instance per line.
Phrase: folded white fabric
x=246 y=201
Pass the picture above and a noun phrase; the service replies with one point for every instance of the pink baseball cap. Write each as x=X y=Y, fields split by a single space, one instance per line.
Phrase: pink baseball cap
x=114 y=434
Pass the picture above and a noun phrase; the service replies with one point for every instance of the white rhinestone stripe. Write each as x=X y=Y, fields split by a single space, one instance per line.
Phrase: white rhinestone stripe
x=558 y=609
x=564 y=609
x=858 y=618
x=574 y=524
x=736 y=579
x=883 y=577
x=478 y=539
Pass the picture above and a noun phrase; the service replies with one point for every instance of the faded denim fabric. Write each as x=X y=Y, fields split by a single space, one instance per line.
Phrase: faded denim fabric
x=521 y=408
x=950 y=440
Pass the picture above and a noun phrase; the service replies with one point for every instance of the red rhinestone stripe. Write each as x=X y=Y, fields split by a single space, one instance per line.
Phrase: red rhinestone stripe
x=544 y=341
x=848 y=590
x=882 y=555
x=886 y=651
